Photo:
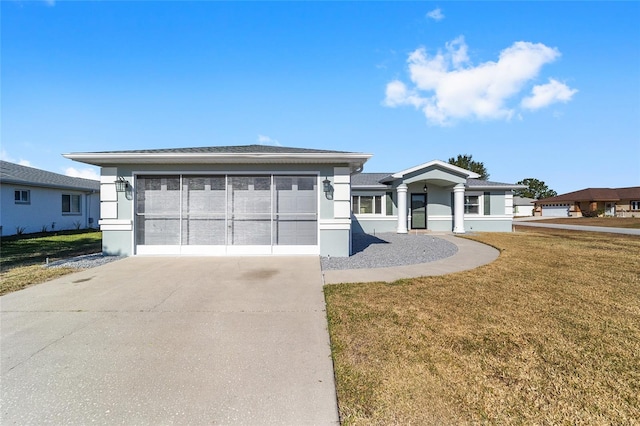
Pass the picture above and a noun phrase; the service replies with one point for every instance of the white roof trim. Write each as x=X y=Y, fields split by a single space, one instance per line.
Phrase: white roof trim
x=460 y=170
x=355 y=160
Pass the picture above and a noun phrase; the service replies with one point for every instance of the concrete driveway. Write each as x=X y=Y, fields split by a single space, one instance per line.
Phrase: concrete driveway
x=162 y=340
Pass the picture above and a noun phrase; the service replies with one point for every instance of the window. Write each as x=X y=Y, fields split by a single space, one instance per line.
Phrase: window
x=22 y=196
x=472 y=204
x=367 y=204
x=70 y=204
x=635 y=205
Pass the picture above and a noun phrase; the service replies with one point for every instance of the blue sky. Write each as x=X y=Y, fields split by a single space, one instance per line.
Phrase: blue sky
x=549 y=90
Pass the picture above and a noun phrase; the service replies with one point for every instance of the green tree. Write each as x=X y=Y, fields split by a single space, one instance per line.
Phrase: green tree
x=466 y=162
x=535 y=189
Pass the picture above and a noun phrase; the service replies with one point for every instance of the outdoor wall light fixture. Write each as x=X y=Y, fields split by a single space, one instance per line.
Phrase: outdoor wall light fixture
x=122 y=185
x=425 y=188
x=326 y=187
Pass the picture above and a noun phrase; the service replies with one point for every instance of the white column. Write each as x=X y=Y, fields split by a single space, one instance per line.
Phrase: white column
x=458 y=209
x=402 y=208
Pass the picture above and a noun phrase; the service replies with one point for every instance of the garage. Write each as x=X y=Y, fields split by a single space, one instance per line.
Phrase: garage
x=226 y=214
x=555 y=210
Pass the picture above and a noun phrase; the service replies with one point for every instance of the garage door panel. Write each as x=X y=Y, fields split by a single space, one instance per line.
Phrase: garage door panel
x=226 y=211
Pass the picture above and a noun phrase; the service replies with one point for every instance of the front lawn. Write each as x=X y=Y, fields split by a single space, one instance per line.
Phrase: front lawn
x=612 y=222
x=22 y=257
x=549 y=333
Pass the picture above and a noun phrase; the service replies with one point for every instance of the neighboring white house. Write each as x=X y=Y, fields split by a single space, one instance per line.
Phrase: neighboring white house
x=256 y=199
x=34 y=200
x=523 y=206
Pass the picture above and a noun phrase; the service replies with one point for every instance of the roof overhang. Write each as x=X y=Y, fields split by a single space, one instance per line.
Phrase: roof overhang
x=438 y=164
x=355 y=161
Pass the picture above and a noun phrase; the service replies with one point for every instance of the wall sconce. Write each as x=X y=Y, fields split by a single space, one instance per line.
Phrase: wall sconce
x=424 y=188
x=326 y=187
x=122 y=185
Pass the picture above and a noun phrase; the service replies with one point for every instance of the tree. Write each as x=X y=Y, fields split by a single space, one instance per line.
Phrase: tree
x=535 y=189
x=466 y=162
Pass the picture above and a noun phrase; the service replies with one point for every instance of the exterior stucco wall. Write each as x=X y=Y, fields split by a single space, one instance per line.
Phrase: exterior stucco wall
x=117 y=243
x=373 y=225
x=484 y=224
x=117 y=221
x=45 y=210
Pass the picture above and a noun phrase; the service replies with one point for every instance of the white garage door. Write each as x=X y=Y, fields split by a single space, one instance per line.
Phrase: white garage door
x=556 y=210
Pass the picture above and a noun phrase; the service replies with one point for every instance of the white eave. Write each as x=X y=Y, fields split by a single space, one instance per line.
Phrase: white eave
x=442 y=164
x=354 y=160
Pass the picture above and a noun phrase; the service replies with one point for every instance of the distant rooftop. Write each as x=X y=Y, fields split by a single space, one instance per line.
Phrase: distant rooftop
x=23 y=175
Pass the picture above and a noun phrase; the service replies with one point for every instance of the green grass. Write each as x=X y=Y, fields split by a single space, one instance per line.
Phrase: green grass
x=21 y=257
x=547 y=334
x=16 y=251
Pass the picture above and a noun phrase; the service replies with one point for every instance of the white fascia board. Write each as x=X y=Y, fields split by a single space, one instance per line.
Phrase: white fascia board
x=495 y=187
x=355 y=160
x=451 y=167
x=16 y=182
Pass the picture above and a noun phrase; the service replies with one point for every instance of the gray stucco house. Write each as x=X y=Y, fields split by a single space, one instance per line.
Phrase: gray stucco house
x=257 y=199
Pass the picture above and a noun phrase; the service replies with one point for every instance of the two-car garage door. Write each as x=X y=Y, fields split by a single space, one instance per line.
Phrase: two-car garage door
x=226 y=214
x=555 y=210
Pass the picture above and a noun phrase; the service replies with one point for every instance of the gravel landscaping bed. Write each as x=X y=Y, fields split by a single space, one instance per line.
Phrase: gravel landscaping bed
x=391 y=249
x=84 y=262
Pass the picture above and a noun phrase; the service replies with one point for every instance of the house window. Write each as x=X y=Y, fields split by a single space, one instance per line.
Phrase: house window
x=367 y=204
x=472 y=204
x=22 y=196
x=635 y=205
x=70 y=204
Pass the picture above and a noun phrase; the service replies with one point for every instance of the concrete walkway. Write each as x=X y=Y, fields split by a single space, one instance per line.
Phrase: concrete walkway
x=606 y=229
x=471 y=254
x=161 y=340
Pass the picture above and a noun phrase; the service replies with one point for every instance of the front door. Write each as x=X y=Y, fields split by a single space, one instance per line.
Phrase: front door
x=418 y=211
x=610 y=209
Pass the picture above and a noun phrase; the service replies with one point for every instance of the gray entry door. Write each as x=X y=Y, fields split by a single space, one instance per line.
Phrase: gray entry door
x=418 y=211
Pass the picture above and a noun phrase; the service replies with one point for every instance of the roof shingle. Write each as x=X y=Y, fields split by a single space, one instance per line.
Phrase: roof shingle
x=23 y=175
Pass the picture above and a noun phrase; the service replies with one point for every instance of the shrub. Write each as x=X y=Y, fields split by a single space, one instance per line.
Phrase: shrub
x=20 y=230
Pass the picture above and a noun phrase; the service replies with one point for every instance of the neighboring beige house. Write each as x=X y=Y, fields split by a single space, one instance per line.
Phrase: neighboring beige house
x=621 y=202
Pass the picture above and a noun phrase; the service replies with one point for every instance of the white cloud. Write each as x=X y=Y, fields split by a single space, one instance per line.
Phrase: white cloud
x=447 y=87
x=87 y=173
x=50 y=2
x=4 y=156
x=546 y=94
x=436 y=14
x=266 y=140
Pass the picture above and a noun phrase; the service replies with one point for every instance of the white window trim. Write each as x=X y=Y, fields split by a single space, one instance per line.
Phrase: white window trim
x=70 y=212
x=480 y=196
x=21 y=201
x=383 y=204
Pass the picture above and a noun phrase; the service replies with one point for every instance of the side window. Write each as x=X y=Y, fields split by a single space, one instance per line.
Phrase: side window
x=22 y=196
x=472 y=204
x=71 y=203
